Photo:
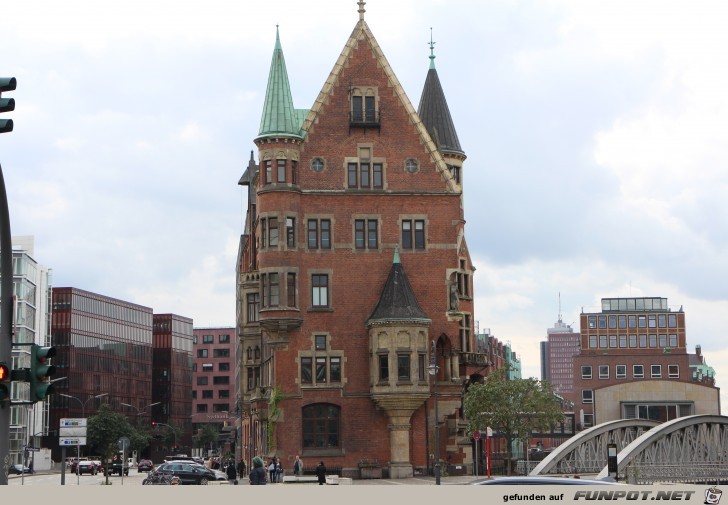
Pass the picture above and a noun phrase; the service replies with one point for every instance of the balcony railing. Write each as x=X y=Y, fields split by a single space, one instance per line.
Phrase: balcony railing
x=474 y=359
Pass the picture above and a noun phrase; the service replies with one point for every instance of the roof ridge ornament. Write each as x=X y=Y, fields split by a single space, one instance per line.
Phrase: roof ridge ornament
x=361 y=11
x=432 y=50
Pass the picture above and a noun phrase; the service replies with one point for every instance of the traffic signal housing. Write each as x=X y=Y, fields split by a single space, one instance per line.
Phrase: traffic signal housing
x=4 y=382
x=7 y=104
x=40 y=372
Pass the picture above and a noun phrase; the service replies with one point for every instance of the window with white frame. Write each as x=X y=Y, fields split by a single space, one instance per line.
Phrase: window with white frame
x=587 y=396
x=621 y=371
x=603 y=371
x=638 y=371
x=656 y=371
x=673 y=371
x=586 y=372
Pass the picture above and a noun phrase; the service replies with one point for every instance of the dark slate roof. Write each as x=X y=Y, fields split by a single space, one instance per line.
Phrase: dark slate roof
x=249 y=173
x=398 y=301
x=435 y=115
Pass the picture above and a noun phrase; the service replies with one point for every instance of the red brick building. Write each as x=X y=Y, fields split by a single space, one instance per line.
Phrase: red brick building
x=353 y=261
x=634 y=363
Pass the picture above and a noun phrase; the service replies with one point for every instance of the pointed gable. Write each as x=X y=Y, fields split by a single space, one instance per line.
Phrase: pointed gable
x=397 y=301
x=279 y=115
x=362 y=33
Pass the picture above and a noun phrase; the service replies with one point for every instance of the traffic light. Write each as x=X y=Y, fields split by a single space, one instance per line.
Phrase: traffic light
x=4 y=382
x=154 y=424
x=40 y=371
x=7 y=104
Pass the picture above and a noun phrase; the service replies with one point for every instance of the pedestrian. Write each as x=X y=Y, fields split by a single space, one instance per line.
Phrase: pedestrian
x=272 y=470
x=279 y=470
x=241 y=469
x=257 y=474
x=321 y=473
x=298 y=466
x=232 y=473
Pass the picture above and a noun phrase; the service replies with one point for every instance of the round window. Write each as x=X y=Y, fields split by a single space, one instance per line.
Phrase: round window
x=317 y=164
x=411 y=165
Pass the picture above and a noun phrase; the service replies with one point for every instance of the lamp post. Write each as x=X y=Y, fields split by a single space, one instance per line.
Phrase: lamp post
x=432 y=370
x=83 y=415
x=138 y=410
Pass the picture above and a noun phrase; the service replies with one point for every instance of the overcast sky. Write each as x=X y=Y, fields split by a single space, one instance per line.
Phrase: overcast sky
x=595 y=134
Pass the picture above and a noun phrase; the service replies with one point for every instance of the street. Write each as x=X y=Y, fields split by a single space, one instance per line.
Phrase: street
x=54 y=479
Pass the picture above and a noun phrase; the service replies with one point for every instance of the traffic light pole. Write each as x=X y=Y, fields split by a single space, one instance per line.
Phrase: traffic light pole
x=6 y=319
x=6 y=287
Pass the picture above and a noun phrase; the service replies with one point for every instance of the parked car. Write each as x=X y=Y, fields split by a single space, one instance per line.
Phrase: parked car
x=18 y=469
x=92 y=467
x=548 y=481
x=219 y=475
x=189 y=473
x=145 y=465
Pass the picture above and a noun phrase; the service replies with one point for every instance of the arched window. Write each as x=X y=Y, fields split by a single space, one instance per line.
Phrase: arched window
x=257 y=352
x=321 y=423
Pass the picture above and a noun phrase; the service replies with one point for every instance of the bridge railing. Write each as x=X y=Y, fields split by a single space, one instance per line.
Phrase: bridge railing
x=707 y=473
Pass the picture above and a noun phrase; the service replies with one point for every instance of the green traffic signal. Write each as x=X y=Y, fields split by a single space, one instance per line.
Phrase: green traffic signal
x=40 y=372
x=7 y=104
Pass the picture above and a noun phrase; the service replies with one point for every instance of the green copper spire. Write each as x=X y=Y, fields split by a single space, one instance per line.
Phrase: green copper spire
x=396 y=254
x=432 y=51
x=279 y=115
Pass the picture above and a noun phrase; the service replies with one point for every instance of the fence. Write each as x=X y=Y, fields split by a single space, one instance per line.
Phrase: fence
x=694 y=473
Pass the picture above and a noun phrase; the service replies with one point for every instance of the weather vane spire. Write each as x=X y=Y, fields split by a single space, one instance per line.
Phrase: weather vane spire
x=432 y=50
x=361 y=9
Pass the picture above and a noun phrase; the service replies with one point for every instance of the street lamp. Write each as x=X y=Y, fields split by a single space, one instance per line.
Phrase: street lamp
x=432 y=370
x=140 y=411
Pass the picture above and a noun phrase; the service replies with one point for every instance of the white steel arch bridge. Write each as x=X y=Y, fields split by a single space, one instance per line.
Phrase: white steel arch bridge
x=691 y=449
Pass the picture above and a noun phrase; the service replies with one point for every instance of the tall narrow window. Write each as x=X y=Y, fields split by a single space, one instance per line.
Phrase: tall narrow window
x=281 y=172
x=419 y=234
x=364 y=174
x=321 y=370
x=372 y=234
x=325 y=234
x=335 y=369
x=272 y=232
x=359 y=233
x=268 y=171
x=270 y=290
x=290 y=232
x=383 y=367
x=294 y=172
x=253 y=307
x=306 y=370
x=369 y=109
x=356 y=108
x=403 y=367
x=263 y=233
x=312 y=234
x=406 y=234
x=377 y=176
x=291 y=289
x=320 y=290
x=352 y=171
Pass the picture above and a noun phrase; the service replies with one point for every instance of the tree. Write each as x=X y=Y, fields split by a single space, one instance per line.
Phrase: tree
x=105 y=429
x=207 y=436
x=513 y=408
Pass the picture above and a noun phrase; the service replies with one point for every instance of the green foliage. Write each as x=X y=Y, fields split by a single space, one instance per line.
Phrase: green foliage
x=207 y=436
x=273 y=412
x=513 y=408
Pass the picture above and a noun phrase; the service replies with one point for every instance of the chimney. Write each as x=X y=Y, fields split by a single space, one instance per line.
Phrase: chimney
x=697 y=350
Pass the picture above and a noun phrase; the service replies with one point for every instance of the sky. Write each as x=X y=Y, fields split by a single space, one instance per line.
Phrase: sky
x=596 y=136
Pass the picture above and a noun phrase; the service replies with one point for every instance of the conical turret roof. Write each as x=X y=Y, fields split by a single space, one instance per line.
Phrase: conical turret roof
x=397 y=301
x=435 y=114
x=280 y=117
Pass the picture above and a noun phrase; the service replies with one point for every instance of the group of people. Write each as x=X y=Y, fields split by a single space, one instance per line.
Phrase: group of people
x=273 y=472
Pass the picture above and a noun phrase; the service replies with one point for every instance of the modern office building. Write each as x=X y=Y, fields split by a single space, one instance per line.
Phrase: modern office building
x=353 y=265
x=214 y=368
x=172 y=383
x=634 y=363
x=557 y=358
x=31 y=287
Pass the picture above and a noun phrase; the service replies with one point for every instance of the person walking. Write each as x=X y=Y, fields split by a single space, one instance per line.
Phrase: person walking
x=241 y=469
x=298 y=466
x=272 y=470
x=321 y=473
x=279 y=470
x=232 y=474
x=257 y=474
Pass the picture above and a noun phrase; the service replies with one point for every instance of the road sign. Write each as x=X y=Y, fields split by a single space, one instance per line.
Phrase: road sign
x=32 y=449
x=68 y=422
x=123 y=443
x=476 y=435
x=71 y=441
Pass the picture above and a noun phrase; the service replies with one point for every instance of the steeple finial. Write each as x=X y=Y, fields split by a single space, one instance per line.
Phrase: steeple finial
x=432 y=50
x=361 y=9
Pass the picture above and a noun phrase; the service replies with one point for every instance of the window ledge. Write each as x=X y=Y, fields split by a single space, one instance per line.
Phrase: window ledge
x=314 y=452
x=320 y=309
